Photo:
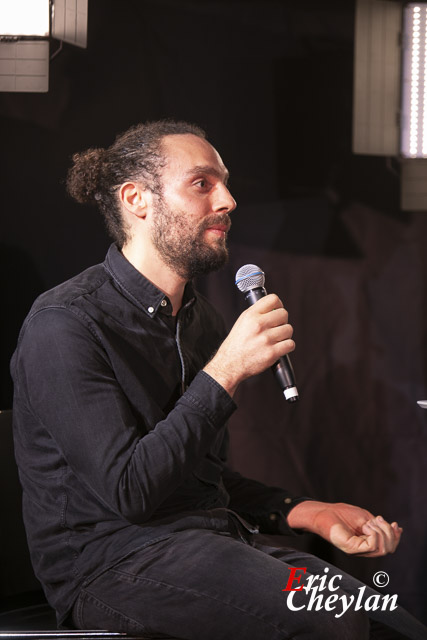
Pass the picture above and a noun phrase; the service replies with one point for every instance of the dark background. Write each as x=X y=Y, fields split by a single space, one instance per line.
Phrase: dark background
x=272 y=84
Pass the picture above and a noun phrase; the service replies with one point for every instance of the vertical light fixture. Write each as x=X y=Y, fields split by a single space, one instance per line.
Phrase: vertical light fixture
x=390 y=90
x=414 y=81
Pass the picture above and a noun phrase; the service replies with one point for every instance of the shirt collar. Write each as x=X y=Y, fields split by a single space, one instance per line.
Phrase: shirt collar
x=138 y=288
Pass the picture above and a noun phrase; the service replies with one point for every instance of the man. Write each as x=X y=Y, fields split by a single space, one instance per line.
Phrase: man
x=123 y=385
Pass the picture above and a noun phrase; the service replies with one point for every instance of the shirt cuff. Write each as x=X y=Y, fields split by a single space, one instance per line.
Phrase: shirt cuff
x=209 y=396
x=280 y=517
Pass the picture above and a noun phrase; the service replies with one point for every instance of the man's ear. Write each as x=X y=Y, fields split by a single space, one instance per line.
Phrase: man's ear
x=134 y=198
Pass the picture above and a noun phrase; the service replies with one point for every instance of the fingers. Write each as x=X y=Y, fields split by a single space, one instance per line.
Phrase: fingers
x=269 y=312
x=268 y=303
x=274 y=327
x=382 y=537
x=271 y=322
x=283 y=333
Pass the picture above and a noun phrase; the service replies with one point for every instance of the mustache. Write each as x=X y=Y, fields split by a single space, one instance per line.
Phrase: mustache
x=222 y=219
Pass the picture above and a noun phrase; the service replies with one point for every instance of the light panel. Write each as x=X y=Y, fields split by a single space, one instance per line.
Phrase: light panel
x=24 y=18
x=376 y=98
x=69 y=21
x=24 y=66
x=414 y=81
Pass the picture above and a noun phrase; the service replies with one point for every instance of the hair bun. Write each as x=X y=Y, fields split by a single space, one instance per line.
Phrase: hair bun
x=84 y=176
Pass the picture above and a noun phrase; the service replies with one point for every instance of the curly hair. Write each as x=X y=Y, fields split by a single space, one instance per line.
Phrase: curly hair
x=97 y=174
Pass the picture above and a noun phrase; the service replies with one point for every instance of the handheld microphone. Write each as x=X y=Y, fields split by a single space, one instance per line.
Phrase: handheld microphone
x=250 y=280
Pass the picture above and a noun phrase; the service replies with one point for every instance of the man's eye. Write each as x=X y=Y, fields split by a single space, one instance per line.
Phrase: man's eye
x=202 y=183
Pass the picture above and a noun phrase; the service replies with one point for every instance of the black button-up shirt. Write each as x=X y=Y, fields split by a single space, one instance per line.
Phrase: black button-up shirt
x=120 y=437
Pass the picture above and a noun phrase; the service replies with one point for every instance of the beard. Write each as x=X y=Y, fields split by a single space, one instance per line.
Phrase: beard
x=182 y=245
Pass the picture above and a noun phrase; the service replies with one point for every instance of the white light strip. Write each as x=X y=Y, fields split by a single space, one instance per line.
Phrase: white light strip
x=415 y=82
x=414 y=88
x=424 y=120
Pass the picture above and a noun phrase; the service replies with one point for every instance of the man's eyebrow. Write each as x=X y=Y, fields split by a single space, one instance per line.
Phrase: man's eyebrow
x=222 y=175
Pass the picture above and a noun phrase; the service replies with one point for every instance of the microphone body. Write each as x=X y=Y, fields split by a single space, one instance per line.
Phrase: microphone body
x=250 y=280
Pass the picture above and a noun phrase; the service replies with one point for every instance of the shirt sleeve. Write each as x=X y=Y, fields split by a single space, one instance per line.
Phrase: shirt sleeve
x=67 y=392
x=264 y=506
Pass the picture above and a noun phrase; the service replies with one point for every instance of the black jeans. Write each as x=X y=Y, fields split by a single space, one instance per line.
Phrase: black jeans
x=208 y=585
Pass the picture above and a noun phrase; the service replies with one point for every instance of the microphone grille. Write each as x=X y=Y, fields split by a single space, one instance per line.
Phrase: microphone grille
x=249 y=277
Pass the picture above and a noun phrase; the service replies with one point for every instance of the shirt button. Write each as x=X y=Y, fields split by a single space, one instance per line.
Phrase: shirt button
x=273 y=517
x=164 y=303
x=288 y=500
x=150 y=309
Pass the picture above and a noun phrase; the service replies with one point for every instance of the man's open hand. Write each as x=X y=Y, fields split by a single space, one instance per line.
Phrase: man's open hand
x=349 y=528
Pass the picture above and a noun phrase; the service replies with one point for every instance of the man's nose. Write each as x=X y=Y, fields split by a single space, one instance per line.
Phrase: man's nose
x=224 y=201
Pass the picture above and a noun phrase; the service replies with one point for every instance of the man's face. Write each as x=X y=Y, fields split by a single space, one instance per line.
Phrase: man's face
x=191 y=220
